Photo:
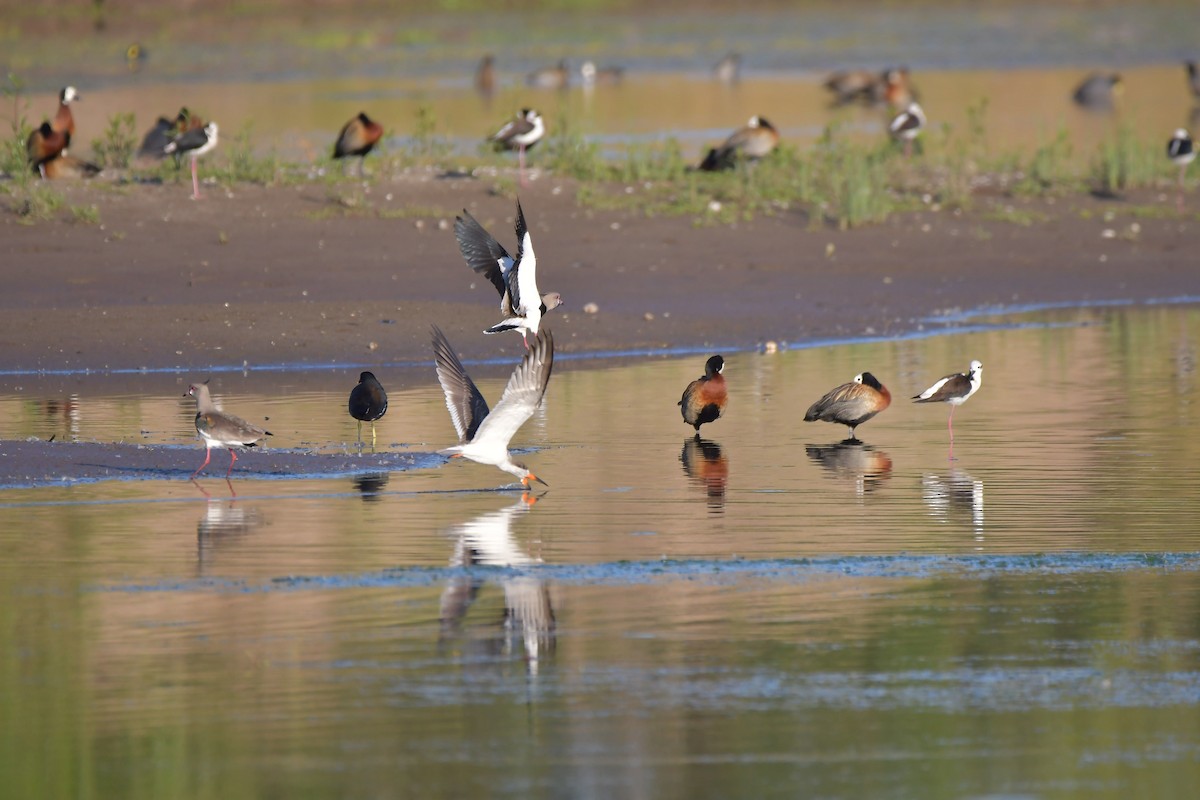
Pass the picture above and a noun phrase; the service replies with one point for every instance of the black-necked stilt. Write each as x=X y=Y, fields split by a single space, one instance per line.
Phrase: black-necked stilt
x=851 y=404
x=1097 y=91
x=357 y=138
x=556 y=77
x=728 y=69
x=907 y=125
x=368 y=402
x=484 y=435
x=195 y=143
x=54 y=136
x=219 y=429
x=1181 y=150
x=154 y=143
x=704 y=398
x=954 y=389
x=520 y=133
x=752 y=141
x=521 y=305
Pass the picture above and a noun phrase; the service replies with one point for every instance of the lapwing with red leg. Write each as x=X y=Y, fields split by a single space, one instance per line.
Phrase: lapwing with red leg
x=368 y=402
x=53 y=137
x=219 y=429
x=756 y=139
x=907 y=125
x=484 y=435
x=954 y=389
x=358 y=137
x=851 y=404
x=520 y=133
x=521 y=304
x=1182 y=151
x=194 y=143
x=704 y=398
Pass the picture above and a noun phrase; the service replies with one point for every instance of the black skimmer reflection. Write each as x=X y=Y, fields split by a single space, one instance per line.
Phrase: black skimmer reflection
x=954 y=389
x=484 y=435
x=368 y=403
x=851 y=404
x=907 y=125
x=1182 y=151
x=358 y=137
x=219 y=429
x=521 y=305
x=704 y=398
x=1097 y=91
x=756 y=139
x=862 y=463
x=707 y=468
x=194 y=142
x=520 y=133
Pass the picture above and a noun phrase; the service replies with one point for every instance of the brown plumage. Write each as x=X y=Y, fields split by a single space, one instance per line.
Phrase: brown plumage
x=357 y=138
x=851 y=404
x=64 y=166
x=704 y=398
x=219 y=429
x=53 y=137
x=485 y=76
x=756 y=139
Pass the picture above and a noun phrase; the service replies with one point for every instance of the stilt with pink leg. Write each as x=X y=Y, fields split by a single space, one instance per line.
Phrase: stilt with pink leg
x=954 y=389
x=194 y=143
x=520 y=133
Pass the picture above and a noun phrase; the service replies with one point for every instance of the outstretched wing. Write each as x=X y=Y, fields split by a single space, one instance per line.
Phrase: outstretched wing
x=467 y=407
x=522 y=394
x=522 y=279
x=481 y=251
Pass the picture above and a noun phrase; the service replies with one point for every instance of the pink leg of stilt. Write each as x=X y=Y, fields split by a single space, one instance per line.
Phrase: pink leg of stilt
x=207 y=455
x=950 y=425
x=232 y=458
x=195 y=182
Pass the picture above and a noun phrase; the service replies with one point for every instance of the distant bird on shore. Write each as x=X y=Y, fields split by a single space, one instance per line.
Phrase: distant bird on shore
x=219 y=429
x=852 y=85
x=154 y=143
x=485 y=76
x=556 y=77
x=53 y=137
x=1181 y=150
x=1098 y=91
x=521 y=305
x=895 y=88
x=520 y=133
x=751 y=142
x=704 y=398
x=593 y=75
x=1193 y=78
x=851 y=404
x=728 y=69
x=954 y=389
x=357 y=138
x=907 y=125
x=484 y=435
x=195 y=143
x=368 y=402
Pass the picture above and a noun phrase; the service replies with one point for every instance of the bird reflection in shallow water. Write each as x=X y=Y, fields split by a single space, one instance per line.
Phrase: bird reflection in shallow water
x=706 y=468
x=225 y=521
x=371 y=486
x=953 y=498
x=852 y=460
x=528 y=611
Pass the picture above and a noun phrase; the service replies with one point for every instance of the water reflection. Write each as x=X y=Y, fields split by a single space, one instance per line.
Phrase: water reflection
x=853 y=460
x=707 y=468
x=371 y=485
x=226 y=520
x=954 y=499
x=528 y=616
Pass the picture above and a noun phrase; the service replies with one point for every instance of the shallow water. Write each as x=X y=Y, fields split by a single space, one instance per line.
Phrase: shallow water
x=765 y=609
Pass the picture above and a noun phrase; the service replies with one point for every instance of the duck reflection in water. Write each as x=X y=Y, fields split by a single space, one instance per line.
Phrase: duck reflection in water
x=706 y=468
x=528 y=611
x=225 y=521
x=371 y=485
x=955 y=498
x=851 y=459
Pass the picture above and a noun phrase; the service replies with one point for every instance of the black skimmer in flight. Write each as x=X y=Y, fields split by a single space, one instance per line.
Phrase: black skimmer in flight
x=851 y=404
x=704 y=398
x=219 y=429
x=1182 y=151
x=1097 y=91
x=368 y=402
x=752 y=142
x=195 y=143
x=357 y=138
x=729 y=69
x=520 y=133
x=556 y=77
x=906 y=126
x=521 y=305
x=53 y=137
x=484 y=435
x=954 y=389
